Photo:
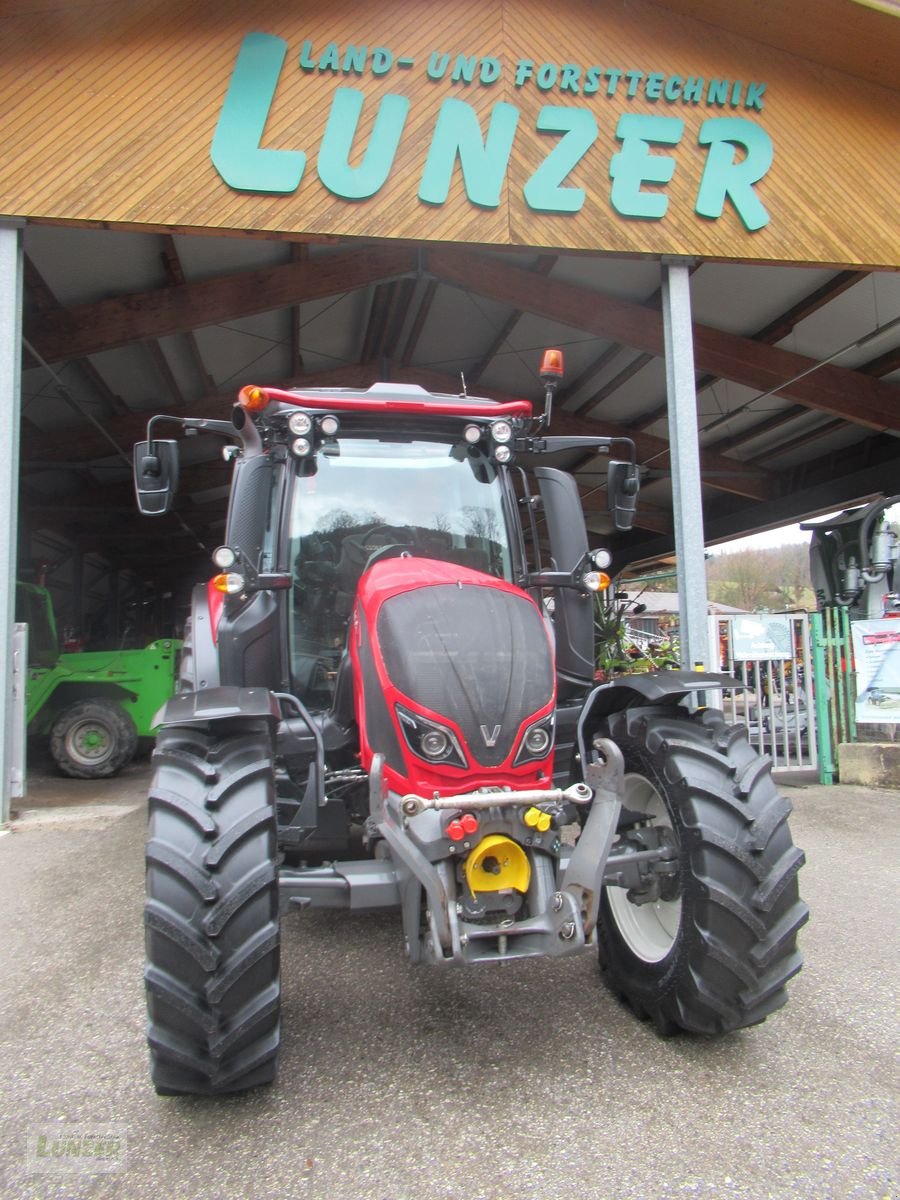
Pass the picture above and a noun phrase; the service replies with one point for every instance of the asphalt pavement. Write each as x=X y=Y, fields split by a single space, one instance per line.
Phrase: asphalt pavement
x=402 y=1083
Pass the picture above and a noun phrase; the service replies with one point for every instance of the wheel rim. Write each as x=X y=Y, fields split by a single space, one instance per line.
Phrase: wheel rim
x=650 y=930
x=88 y=742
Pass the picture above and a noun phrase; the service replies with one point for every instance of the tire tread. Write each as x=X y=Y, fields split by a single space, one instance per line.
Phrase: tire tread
x=211 y=913
x=741 y=909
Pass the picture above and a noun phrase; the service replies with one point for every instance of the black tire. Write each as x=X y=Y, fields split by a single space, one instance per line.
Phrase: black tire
x=93 y=739
x=717 y=956
x=211 y=914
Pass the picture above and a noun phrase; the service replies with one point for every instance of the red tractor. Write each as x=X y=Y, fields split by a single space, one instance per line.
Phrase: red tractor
x=388 y=701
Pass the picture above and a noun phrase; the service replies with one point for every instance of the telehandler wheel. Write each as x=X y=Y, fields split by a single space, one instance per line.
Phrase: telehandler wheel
x=93 y=739
x=211 y=913
x=715 y=954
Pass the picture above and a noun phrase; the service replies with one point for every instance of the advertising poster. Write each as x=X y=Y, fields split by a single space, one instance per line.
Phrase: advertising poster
x=876 y=648
x=761 y=636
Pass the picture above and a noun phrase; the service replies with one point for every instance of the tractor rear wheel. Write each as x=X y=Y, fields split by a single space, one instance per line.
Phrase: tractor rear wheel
x=712 y=952
x=211 y=914
x=93 y=739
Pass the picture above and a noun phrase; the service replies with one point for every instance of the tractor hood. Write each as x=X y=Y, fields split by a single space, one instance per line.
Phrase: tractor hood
x=453 y=668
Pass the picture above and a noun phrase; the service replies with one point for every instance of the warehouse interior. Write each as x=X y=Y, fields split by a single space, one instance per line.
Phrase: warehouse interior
x=797 y=372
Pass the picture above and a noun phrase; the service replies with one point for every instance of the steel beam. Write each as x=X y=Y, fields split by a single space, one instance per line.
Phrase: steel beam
x=11 y=274
x=685 y=456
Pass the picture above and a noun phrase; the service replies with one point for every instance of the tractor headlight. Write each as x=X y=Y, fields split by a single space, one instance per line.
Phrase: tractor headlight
x=329 y=425
x=501 y=432
x=430 y=741
x=536 y=743
x=300 y=423
x=224 y=557
x=301 y=446
x=435 y=744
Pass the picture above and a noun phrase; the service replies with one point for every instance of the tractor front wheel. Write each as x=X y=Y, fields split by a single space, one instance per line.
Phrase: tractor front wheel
x=211 y=913
x=93 y=739
x=712 y=950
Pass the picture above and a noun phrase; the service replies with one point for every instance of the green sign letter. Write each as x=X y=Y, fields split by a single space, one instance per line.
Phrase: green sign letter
x=722 y=176
x=483 y=162
x=235 y=151
x=544 y=191
x=634 y=164
x=358 y=183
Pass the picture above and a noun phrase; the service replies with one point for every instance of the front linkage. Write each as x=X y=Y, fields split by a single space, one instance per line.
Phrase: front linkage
x=519 y=851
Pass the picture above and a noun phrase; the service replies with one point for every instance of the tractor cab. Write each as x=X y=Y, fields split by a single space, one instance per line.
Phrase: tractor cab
x=373 y=501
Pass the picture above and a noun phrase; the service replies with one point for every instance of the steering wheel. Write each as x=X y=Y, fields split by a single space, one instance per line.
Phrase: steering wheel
x=392 y=550
x=387 y=549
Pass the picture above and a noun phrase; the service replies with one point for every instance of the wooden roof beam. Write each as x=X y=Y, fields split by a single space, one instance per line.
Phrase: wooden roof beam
x=543 y=266
x=726 y=474
x=120 y=320
x=46 y=302
x=654 y=302
x=422 y=313
x=84 y=442
x=299 y=253
x=835 y=390
x=654 y=520
x=782 y=325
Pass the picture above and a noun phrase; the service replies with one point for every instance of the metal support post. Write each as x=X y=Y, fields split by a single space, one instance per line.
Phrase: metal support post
x=685 y=457
x=10 y=406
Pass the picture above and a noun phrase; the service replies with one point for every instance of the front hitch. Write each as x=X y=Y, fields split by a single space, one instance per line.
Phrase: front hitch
x=583 y=876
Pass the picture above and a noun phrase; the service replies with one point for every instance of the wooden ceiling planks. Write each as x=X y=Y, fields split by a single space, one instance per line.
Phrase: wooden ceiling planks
x=122 y=99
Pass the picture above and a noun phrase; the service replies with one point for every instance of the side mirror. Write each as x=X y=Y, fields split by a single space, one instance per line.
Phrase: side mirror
x=623 y=482
x=155 y=476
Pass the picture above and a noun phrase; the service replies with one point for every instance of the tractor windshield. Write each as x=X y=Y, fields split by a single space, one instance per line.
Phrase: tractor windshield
x=375 y=499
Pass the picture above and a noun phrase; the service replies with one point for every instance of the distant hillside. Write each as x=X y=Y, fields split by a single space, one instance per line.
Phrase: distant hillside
x=775 y=578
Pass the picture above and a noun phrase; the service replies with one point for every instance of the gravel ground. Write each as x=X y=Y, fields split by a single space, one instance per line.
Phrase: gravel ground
x=400 y=1083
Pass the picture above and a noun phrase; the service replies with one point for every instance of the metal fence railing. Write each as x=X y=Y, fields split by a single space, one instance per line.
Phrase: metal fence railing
x=777 y=701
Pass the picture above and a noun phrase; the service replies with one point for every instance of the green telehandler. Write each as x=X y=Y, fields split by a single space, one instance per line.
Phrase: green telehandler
x=91 y=706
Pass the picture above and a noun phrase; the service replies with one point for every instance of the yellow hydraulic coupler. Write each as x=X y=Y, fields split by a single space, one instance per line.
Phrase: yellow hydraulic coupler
x=497 y=864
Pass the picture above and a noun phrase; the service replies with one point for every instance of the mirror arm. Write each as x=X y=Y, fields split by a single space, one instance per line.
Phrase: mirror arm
x=564 y=579
x=195 y=425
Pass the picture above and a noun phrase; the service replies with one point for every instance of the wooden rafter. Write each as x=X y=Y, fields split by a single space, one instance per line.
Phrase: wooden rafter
x=543 y=266
x=653 y=302
x=835 y=390
x=613 y=385
x=726 y=474
x=175 y=274
x=84 y=442
x=299 y=253
x=166 y=374
x=46 y=302
x=422 y=313
x=590 y=372
x=120 y=320
x=777 y=329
